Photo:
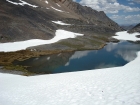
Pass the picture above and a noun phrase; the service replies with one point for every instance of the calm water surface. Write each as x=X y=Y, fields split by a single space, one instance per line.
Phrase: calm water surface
x=112 y=55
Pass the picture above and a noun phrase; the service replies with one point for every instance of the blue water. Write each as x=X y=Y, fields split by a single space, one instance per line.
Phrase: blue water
x=112 y=55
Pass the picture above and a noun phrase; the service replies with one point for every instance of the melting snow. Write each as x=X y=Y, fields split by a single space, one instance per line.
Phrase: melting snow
x=60 y=34
x=22 y=3
x=110 y=86
x=57 y=9
x=60 y=23
x=123 y=35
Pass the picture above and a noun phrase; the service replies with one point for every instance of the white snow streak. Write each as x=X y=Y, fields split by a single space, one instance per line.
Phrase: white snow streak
x=60 y=23
x=22 y=3
x=46 y=2
x=57 y=9
x=58 y=5
x=22 y=45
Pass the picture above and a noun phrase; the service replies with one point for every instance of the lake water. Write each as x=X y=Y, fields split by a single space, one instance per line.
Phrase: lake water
x=112 y=55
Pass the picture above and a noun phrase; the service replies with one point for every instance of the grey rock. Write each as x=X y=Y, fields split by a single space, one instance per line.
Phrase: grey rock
x=135 y=29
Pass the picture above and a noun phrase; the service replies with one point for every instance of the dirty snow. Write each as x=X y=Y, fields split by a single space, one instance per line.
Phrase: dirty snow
x=22 y=3
x=110 y=86
x=57 y=9
x=60 y=23
x=22 y=45
x=124 y=35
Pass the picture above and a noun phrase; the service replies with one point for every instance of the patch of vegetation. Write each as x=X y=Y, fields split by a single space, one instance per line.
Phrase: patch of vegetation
x=74 y=44
x=18 y=68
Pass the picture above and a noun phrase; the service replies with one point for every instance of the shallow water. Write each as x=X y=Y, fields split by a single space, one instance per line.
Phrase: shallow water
x=112 y=55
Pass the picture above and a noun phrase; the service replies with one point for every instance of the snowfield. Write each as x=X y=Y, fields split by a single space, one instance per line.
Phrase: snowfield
x=126 y=36
x=110 y=86
x=22 y=45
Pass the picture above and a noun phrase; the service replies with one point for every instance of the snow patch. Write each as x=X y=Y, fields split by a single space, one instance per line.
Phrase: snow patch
x=22 y=45
x=58 y=5
x=124 y=35
x=46 y=2
x=22 y=3
x=57 y=9
x=60 y=23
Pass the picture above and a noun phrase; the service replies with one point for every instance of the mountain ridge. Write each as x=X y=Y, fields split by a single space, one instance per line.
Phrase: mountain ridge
x=135 y=29
x=26 y=22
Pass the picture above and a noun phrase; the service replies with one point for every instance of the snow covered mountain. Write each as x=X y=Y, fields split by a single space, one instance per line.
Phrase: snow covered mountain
x=39 y=19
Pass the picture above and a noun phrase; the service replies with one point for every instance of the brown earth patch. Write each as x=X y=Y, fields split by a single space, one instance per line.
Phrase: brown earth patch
x=6 y=58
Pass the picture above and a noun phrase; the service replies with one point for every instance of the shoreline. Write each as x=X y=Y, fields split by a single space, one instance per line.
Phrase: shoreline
x=9 y=57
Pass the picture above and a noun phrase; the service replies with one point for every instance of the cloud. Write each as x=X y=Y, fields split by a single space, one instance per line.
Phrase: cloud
x=131 y=3
x=111 y=46
x=109 y=6
x=79 y=54
x=127 y=55
x=127 y=18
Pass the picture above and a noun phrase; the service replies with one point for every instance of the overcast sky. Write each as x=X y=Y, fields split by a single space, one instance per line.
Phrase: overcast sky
x=121 y=11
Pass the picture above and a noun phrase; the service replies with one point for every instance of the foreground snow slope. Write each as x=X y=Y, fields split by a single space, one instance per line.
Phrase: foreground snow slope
x=110 y=86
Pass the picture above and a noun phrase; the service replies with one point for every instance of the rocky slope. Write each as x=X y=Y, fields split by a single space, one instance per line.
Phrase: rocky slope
x=22 y=21
x=135 y=29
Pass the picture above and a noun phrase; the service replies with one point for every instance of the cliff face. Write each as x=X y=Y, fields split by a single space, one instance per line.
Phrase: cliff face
x=91 y=16
x=22 y=22
x=135 y=29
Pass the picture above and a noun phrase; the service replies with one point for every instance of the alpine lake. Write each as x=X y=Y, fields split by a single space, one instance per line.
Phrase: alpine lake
x=112 y=55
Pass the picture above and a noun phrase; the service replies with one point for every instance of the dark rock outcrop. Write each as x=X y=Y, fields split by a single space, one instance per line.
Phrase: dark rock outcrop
x=135 y=29
x=92 y=16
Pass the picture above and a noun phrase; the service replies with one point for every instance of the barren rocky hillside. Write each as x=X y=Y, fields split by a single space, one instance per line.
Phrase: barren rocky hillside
x=32 y=19
x=135 y=29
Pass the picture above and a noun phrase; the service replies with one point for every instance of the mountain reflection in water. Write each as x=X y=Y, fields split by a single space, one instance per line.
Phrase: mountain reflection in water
x=112 y=55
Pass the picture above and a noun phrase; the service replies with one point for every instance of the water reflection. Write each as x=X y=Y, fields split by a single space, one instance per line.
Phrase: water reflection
x=45 y=64
x=124 y=49
x=112 y=55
